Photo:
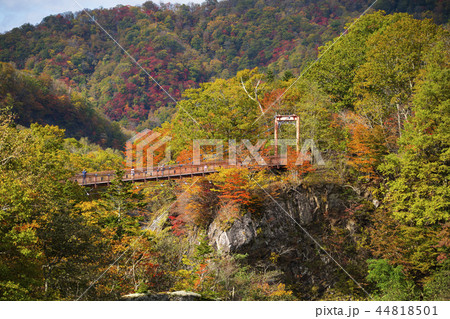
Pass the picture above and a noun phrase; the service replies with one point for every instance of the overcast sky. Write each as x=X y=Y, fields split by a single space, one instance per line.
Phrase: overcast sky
x=14 y=13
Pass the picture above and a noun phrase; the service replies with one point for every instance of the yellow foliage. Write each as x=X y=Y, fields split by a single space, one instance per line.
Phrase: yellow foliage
x=274 y=257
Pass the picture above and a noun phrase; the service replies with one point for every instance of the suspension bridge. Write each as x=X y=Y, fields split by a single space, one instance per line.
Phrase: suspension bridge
x=178 y=171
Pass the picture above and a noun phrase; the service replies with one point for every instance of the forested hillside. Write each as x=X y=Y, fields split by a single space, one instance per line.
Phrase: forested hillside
x=181 y=46
x=40 y=99
x=377 y=104
x=371 y=223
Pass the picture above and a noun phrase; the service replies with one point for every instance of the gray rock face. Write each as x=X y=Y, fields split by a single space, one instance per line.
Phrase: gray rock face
x=218 y=238
x=277 y=221
x=281 y=228
x=241 y=233
x=167 y=296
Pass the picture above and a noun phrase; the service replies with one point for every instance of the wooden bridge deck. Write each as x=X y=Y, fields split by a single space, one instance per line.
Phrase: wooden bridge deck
x=166 y=173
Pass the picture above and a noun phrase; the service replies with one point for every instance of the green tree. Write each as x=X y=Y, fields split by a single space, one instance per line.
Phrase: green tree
x=390 y=281
x=339 y=61
x=419 y=174
x=223 y=109
x=121 y=200
x=437 y=286
x=385 y=82
x=416 y=191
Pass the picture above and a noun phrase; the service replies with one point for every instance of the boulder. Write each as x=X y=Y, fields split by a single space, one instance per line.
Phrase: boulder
x=164 y=296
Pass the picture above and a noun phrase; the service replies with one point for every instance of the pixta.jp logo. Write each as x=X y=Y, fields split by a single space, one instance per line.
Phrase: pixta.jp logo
x=141 y=148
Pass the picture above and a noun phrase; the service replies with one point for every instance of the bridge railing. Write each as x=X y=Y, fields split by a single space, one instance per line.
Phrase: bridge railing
x=177 y=170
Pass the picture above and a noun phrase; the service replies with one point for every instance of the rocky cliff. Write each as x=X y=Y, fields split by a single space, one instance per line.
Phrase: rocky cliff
x=287 y=235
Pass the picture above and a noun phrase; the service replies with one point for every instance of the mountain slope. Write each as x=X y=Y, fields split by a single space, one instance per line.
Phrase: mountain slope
x=45 y=101
x=181 y=46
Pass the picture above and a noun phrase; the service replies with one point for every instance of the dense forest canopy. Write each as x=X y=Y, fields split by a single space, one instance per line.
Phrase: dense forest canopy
x=181 y=46
x=375 y=101
x=43 y=100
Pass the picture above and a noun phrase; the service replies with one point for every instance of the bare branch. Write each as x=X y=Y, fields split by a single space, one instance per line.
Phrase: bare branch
x=255 y=99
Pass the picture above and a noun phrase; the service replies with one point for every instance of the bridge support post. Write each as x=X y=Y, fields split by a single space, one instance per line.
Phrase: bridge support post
x=287 y=118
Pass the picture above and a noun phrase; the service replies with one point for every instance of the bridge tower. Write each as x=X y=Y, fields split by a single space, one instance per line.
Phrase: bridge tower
x=287 y=118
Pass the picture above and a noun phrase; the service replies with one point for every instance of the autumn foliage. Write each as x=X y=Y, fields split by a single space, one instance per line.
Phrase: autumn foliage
x=365 y=146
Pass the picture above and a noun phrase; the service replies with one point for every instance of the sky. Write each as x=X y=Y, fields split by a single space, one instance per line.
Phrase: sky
x=14 y=13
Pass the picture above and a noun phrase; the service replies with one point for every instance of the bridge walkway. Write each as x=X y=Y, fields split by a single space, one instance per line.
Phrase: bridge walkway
x=178 y=171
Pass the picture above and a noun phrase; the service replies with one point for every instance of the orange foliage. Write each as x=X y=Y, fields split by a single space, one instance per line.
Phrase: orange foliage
x=270 y=98
x=366 y=145
x=184 y=156
x=299 y=162
x=199 y=210
x=235 y=189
